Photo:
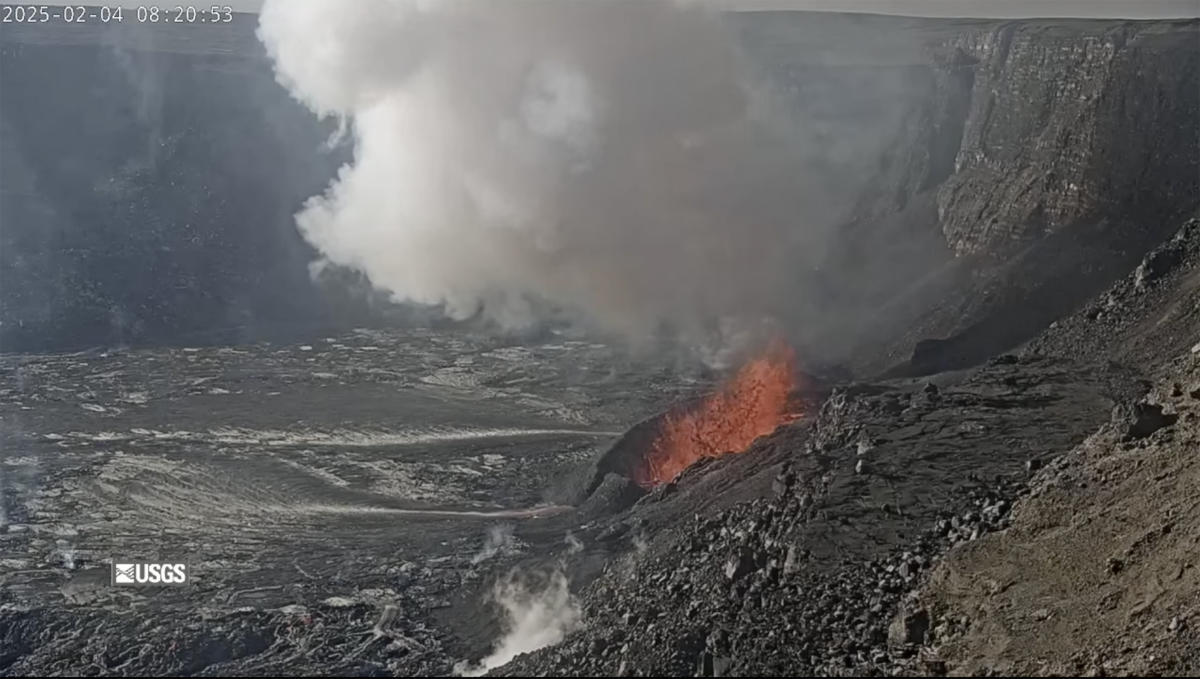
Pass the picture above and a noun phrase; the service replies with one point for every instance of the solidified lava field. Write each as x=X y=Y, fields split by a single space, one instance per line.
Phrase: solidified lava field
x=331 y=476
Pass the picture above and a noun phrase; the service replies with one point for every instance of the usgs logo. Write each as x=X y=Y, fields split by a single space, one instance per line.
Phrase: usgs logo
x=149 y=573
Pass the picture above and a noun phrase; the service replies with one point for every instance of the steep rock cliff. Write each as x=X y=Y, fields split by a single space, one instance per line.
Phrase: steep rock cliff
x=1024 y=167
x=148 y=178
x=966 y=157
x=1072 y=124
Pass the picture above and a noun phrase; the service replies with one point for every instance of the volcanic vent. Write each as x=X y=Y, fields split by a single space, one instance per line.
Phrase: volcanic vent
x=762 y=395
x=754 y=402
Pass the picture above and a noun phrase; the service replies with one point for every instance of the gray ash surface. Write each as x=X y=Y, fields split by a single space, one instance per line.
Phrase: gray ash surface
x=309 y=488
x=806 y=579
x=881 y=542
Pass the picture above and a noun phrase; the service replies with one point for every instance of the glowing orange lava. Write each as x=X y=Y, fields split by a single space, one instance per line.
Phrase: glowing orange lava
x=753 y=403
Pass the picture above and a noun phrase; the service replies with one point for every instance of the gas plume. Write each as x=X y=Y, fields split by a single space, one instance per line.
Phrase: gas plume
x=536 y=615
x=611 y=161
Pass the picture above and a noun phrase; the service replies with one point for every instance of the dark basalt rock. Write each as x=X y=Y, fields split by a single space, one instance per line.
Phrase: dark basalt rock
x=1014 y=190
x=1143 y=419
x=1059 y=86
x=809 y=580
x=614 y=494
x=627 y=455
x=909 y=628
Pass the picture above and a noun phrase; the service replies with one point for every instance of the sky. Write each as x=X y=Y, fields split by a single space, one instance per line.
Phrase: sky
x=950 y=8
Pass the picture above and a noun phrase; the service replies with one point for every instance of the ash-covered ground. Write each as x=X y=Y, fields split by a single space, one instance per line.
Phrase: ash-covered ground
x=893 y=530
x=307 y=487
x=1035 y=515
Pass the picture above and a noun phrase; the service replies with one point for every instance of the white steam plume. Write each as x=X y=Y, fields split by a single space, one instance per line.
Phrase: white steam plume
x=605 y=159
x=499 y=538
x=535 y=617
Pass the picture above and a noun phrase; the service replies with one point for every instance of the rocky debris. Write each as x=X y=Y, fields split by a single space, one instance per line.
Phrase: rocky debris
x=782 y=483
x=816 y=601
x=1097 y=574
x=1142 y=419
x=740 y=564
x=709 y=665
x=810 y=580
x=614 y=494
x=761 y=612
x=1167 y=257
x=909 y=628
x=1160 y=296
x=1028 y=122
x=220 y=643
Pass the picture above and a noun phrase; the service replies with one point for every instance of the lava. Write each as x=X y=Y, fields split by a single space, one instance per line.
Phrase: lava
x=752 y=403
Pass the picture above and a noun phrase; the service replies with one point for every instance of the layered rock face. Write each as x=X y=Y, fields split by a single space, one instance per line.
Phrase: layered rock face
x=148 y=179
x=1013 y=130
x=940 y=142
x=1005 y=172
x=1067 y=125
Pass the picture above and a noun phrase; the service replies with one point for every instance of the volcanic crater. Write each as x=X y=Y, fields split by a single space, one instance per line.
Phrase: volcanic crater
x=984 y=463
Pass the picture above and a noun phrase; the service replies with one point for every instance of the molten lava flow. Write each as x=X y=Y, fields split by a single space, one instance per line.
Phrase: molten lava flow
x=751 y=404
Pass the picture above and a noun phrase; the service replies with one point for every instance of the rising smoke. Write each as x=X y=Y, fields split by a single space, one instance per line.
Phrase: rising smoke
x=612 y=161
x=499 y=539
x=536 y=614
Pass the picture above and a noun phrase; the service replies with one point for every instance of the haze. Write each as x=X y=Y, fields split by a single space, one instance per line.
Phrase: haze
x=1141 y=9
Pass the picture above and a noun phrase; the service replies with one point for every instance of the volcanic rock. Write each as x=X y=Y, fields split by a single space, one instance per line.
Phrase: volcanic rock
x=1143 y=419
x=615 y=493
x=1010 y=216
x=740 y=564
x=1100 y=490
x=909 y=628
x=849 y=599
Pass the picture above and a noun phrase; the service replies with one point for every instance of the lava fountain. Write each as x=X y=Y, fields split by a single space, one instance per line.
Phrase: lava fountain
x=754 y=402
